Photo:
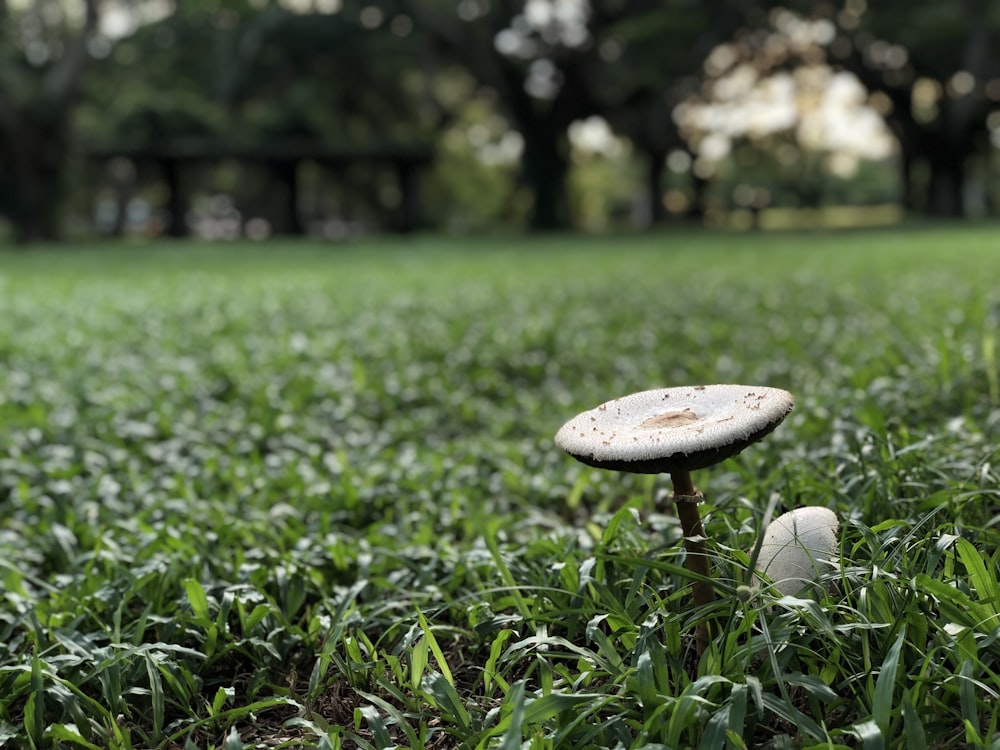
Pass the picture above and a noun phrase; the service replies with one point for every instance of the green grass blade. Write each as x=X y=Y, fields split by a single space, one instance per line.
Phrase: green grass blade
x=714 y=736
x=69 y=733
x=397 y=717
x=955 y=605
x=156 y=697
x=913 y=728
x=983 y=579
x=967 y=694
x=738 y=711
x=490 y=536
x=377 y=726
x=233 y=740
x=513 y=735
x=870 y=735
x=885 y=685
x=435 y=649
x=447 y=700
x=790 y=713
x=197 y=599
x=490 y=673
x=550 y=706
x=418 y=662
x=34 y=708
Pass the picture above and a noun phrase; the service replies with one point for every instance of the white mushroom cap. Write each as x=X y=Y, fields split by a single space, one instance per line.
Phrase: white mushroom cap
x=674 y=429
x=798 y=546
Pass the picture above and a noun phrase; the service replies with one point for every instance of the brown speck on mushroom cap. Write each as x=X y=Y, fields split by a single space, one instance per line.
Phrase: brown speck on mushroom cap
x=703 y=426
x=670 y=419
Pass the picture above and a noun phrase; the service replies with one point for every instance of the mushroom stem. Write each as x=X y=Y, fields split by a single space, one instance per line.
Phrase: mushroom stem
x=697 y=554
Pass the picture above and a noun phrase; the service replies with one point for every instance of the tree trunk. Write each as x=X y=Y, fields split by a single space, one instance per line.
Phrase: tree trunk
x=945 y=197
x=655 y=161
x=410 y=208
x=34 y=127
x=286 y=174
x=699 y=192
x=176 y=201
x=36 y=188
x=545 y=167
x=907 y=195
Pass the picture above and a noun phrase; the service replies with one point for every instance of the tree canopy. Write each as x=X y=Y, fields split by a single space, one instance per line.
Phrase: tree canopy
x=367 y=90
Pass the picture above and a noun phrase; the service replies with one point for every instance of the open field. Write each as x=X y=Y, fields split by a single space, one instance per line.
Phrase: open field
x=307 y=496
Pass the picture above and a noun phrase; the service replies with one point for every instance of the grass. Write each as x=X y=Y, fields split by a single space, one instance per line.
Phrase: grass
x=306 y=496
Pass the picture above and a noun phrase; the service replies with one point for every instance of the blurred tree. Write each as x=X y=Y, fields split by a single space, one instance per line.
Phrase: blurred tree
x=276 y=87
x=356 y=80
x=938 y=66
x=536 y=58
x=652 y=54
x=935 y=72
x=553 y=62
x=44 y=48
x=351 y=78
x=149 y=98
x=473 y=185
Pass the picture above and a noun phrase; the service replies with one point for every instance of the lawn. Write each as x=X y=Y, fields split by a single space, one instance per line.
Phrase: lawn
x=304 y=495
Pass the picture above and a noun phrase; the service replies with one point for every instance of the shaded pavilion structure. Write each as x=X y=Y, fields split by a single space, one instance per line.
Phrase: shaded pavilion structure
x=281 y=159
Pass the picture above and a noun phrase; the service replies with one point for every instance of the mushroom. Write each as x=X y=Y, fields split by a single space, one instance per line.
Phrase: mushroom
x=797 y=547
x=676 y=431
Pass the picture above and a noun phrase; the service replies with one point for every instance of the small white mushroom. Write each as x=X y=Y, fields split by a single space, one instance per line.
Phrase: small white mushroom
x=798 y=547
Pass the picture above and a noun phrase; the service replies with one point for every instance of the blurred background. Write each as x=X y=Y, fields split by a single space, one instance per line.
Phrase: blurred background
x=223 y=119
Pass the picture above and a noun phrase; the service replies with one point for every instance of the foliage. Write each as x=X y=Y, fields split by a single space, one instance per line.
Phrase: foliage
x=261 y=74
x=301 y=495
x=472 y=184
x=934 y=72
x=758 y=177
x=44 y=48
